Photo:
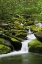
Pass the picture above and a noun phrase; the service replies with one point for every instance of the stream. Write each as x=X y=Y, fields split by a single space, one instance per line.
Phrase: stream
x=23 y=56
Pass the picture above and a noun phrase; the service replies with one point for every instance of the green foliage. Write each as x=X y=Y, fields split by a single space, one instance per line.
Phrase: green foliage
x=30 y=7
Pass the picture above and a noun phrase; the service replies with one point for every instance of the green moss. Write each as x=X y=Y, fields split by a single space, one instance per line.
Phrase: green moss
x=34 y=28
x=13 y=39
x=30 y=22
x=19 y=39
x=2 y=41
x=19 y=33
x=34 y=43
x=40 y=29
x=17 y=25
x=38 y=35
x=26 y=27
x=6 y=32
x=4 y=49
x=35 y=46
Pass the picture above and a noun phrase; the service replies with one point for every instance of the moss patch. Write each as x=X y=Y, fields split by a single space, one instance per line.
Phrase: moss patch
x=14 y=40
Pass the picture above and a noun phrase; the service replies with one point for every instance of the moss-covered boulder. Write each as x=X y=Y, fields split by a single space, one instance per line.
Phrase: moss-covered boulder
x=6 y=32
x=16 y=44
x=40 y=28
x=38 y=35
x=17 y=25
x=35 y=46
x=34 y=28
x=4 y=49
x=15 y=37
x=2 y=41
x=26 y=27
x=21 y=34
x=30 y=23
x=6 y=43
x=4 y=26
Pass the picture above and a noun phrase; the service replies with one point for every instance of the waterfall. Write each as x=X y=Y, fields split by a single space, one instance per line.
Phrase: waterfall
x=29 y=31
x=30 y=37
x=24 y=48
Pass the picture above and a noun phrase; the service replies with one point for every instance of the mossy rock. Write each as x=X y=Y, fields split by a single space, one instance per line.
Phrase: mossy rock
x=26 y=27
x=19 y=33
x=40 y=28
x=38 y=35
x=35 y=46
x=34 y=28
x=30 y=23
x=17 y=25
x=2 y=41
x=13 y=39
x=4 y=49
x=16 y=44
x=18 y=38
x=6 y=32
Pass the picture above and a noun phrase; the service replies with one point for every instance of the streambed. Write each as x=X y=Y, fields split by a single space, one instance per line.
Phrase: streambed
x=28 y=58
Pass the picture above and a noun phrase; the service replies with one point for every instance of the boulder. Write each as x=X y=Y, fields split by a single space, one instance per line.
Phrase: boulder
x=38 y=35
x=16 y=44
x=6 y=43
x=4 y=49
x=35 y=46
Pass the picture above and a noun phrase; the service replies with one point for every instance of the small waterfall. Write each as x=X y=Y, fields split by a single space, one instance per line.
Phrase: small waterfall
x=30 y=37
x=25 y=46
x=29 y=31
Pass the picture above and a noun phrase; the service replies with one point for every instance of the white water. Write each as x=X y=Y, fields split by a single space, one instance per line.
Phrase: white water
x=24 y=48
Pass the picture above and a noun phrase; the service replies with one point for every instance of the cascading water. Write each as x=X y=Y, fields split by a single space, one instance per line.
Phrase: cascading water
x=29 y=32
x=24 y=48
x=30 y=37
